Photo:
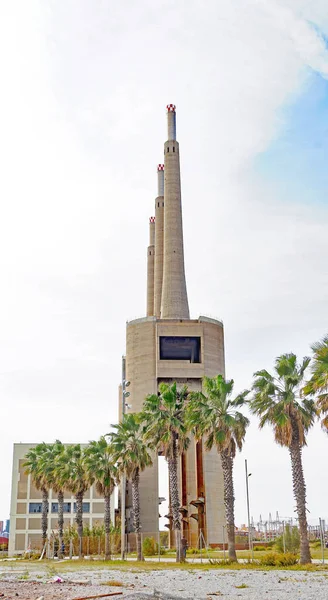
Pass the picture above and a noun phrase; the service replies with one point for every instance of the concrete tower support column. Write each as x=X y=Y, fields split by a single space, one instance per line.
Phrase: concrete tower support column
x=150 y=268
x=174 y=290
x=159 y=241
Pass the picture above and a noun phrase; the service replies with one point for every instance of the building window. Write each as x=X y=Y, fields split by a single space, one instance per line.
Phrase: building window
x=168 y=149
x=173 y=149
x=66 y=507
x=86 y=507
x=35 y=507
x=180 y=348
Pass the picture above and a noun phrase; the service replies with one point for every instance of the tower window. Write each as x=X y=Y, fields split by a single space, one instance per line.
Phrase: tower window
x=173 y=149
x=180 y=348
x=168 y=149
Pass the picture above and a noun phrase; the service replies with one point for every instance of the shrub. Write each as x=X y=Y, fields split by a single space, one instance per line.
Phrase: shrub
x=316 y=544
x=148 y=546
x=286 y=560
x=193 y=551
x=273 y=559
x=269 y=560
x=259 y=548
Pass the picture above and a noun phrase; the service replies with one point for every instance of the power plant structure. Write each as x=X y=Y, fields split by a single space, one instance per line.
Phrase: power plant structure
x=167 y=346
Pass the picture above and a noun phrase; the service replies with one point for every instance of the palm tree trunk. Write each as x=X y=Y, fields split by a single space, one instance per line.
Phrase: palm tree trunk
x=79 y=520
x=136 y=512
x=107 y=527
x=60 y=522
x=229 y=502
x=299 y=489
x=44 y=516
x=175 y=502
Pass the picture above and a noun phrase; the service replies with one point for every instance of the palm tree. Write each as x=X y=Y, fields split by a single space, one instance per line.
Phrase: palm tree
x=131 y=457
x=73 y=477
x=53 y=463
x=278 y=400
x=214 y=415
x=318 y=384
x=165 y=429
x=35 y=464
x=101 y=470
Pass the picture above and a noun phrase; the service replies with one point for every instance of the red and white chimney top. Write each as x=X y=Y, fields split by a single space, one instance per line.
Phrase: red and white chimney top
x=160 y=167
x=171 y=122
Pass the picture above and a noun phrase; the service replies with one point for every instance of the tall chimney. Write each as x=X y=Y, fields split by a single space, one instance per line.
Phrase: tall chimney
x=159 y=241
x=174 y=290
x=150 y=268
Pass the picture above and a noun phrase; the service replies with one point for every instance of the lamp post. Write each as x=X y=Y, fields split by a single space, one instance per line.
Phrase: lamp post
x=250 y=544
x=125 y=395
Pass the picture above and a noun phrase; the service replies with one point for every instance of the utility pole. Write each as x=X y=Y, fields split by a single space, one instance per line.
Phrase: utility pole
x=125 y=395
x=250 y=545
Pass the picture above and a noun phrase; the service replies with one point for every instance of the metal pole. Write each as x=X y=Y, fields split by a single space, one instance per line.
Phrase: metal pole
x=250 y=545
x=283 y=536
x=223 y=531
x=123 y=481
x=322 y=542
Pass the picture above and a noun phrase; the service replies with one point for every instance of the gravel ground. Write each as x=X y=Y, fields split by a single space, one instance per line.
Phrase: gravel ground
x=31 y=584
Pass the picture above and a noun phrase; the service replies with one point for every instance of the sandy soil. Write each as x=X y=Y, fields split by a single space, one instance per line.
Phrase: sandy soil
x=34 y=583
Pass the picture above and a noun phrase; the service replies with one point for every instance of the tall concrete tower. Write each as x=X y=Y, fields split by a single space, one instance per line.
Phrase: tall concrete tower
x=151 y=268
x=174 y=292
x=159 y=240
x=167 y=346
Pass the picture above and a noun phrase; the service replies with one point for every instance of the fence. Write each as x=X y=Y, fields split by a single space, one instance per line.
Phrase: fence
x=159 y=545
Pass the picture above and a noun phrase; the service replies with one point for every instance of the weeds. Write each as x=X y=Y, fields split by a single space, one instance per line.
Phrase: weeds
x=24 y=576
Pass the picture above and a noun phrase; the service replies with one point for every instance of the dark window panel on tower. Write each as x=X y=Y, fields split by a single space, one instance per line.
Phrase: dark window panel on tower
x=180 y=348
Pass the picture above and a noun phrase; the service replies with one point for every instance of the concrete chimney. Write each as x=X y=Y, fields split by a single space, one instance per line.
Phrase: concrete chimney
x=174 y=303
x=150 y=268
x=159 y=241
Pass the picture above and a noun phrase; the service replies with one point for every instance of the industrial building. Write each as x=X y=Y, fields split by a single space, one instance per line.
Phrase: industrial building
x=166 y=346
x=25 y=509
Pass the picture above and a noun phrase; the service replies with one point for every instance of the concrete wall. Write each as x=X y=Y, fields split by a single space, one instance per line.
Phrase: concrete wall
x=141 y=372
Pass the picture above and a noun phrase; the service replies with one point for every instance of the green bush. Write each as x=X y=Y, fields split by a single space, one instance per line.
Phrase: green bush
x=259 y=548
x=286 y=560
x=316 y=544
x=274 y=559
x=193 y=551
x=149 y=546
x=269 y=560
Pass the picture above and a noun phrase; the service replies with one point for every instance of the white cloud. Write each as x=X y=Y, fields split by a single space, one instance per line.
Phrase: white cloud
x=308 y=43
x=83 y=125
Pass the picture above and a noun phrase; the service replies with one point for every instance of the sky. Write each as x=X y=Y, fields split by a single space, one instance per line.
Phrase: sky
x=82 y=119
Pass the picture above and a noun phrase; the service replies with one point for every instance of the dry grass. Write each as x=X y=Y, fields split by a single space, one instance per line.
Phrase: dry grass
x=147 y=566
